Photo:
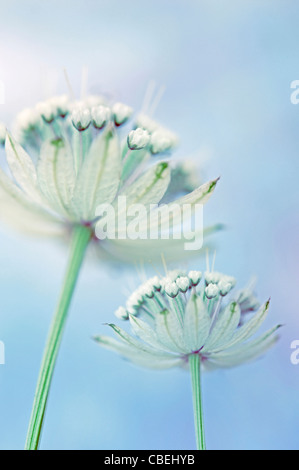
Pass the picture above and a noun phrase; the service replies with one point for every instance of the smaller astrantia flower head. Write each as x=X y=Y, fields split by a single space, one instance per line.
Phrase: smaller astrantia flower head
x=121 y=113
x=81 y=118
x=100 y=115
x=182 y=314
x=138 y=139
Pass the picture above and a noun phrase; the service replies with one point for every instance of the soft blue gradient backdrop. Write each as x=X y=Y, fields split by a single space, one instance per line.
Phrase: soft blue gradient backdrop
x=227 y=67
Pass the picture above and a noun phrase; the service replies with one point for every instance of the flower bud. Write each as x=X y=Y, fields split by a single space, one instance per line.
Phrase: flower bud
x=121 y=113
x=148 y=290
x=100 y=115
x=81 y=118
x=162 y=140
x=147 y=123
x=171 y=289
x=138 y=139
x=121 y=313
x=46 y=110
x=212 y=278
x=183 y=283
x=174 y=274
x=224 y=287
x=28 y=119
x=211 y=291
x=247 y=301
x=195 y=277
x=61 y=104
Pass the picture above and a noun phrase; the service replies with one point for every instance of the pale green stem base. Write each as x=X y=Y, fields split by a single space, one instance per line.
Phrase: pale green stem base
x=194 y=361
x=80 y=239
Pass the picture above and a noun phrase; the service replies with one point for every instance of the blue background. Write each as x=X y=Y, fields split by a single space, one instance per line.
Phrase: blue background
x=227 y=67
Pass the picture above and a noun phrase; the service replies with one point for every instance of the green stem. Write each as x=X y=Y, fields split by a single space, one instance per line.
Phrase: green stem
x=194 y=361
x=80 y=239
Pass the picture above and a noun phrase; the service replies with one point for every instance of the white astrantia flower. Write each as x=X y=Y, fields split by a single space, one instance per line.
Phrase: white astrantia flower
x=68 y=160
x=178 y=316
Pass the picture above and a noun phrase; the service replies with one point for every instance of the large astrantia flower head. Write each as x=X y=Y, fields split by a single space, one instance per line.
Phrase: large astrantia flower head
x=70 y=157
x=185 y=314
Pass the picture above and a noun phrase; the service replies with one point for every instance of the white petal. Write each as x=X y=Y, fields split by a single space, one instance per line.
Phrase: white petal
x=249 y=328
x=199 y=196
x=18 y=209
x=31 y=221
x=56 y=174
x=130 y=251
x=150 y=187
x=139 y=357
x=22 y=168
x=145 y=332
x=132 y=161
x=246 y=352
x=170 y=332
x=224 y=327
x=133 y=342
x=99 y=176
x=197 y=323
x=159 y=363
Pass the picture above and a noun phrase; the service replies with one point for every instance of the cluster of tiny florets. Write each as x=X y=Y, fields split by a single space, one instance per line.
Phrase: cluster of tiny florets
x=156 y=293
x=62 y=116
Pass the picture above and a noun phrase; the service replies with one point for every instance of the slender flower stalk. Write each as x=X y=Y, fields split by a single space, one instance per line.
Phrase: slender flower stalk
x=194 y=362
x=80 y=240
